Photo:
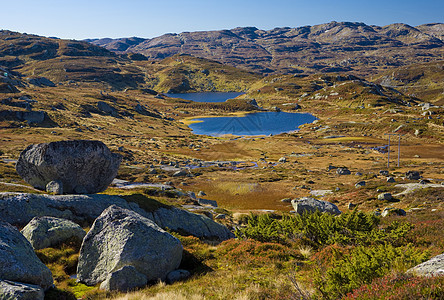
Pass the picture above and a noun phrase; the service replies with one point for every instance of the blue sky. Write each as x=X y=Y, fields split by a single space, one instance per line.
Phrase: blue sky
x=96 y=18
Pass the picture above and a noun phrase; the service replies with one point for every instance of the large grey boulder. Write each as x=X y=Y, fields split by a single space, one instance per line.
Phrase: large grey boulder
x=124 y=279
x=20 y=208
x=308 y=204
x=121 y=237
x=47 y=232
x=432 y=267
x=194 y=224
x=18 y=262
x=81 y=166
x=10 y=290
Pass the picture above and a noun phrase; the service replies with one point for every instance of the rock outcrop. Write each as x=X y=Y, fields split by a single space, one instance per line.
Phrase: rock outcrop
x=10 y=290
x=81 y=166
x=120 y=237
x=432 y=267
x=47 y=232
x=20 y=208
x=308 y=204
x=18 y=262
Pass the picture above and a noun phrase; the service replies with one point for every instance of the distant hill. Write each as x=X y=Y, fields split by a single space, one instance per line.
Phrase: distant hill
x=31 y=60
x=332 y=47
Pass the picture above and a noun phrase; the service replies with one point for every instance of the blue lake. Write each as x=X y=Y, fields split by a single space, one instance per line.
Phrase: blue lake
x=207 y=96
x=261 y=123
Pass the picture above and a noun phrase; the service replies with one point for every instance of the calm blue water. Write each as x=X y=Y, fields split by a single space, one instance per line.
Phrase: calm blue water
x=207 y=97
x=261 y=123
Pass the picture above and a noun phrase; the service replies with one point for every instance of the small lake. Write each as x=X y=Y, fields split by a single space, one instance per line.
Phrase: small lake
x=207 y=96
x=261 y=123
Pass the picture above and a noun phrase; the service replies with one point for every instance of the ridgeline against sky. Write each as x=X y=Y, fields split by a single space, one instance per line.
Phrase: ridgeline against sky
x=98 y=19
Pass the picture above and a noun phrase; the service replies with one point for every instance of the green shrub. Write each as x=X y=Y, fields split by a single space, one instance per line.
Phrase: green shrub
x=318 y=229
x=347 y=271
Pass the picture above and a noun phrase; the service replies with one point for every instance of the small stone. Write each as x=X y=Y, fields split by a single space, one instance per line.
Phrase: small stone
x=385 y=196
x=343 y=171
x=286 y=200
x=393 y=211
x=360 y=184
x=282 y=160
x=220 y=217
x=180 y=173
x=351 y=206
x=412 y=175
x=207 y=202
x=384 y=172
x=201 y=194
x=177 y=275
x=391 y=179
x=55 y=187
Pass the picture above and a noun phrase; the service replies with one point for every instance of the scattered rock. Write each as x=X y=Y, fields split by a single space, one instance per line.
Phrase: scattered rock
x=125 y=279
x=106 y=108
x=282 y=160
x=18 y=262
x=201 y=194
x=220 y=217
x=207 y=202
x=55 y=187
x=391 y=179
x=343 y=171
x=432 y=267
x=20 y=208
x=177 y=275
x=351 y=206
x=286 y=200
x=41 y=81
x=384 y=172
x=10 y=290
x=360 y=184
x=136 y=241
x=388 y=211
x=308 y=204
x=412 y=175
x=82 y=167
x=180 y=173
x=358 y=174
x=385 y=196
x=47 y=232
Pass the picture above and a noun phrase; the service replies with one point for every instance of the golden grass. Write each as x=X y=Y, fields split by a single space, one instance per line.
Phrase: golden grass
x=192 y=120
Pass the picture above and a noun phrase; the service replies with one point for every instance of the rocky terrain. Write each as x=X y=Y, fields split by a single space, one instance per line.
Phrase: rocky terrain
x=89 y=139
x=332 y=47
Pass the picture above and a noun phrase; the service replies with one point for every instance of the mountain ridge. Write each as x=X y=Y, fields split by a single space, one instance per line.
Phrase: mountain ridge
x=330 y=47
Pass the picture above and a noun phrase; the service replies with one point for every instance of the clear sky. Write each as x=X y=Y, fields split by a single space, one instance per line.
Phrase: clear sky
x=80 y=19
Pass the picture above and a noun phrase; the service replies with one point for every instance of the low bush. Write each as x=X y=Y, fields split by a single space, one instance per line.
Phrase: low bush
x=319 y=229
x=400 y=286
x=344 y=271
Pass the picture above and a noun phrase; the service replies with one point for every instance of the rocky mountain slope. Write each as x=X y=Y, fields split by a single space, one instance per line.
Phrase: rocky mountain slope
x=332 y=47
x=30 y=60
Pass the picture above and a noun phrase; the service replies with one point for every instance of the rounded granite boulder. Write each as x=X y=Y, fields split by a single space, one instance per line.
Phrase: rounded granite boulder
x=47 y=232
x=78 y=166
x=120 y=237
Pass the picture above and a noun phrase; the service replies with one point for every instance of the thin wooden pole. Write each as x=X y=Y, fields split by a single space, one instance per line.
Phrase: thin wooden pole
x=388 y=154
x=399 y=148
